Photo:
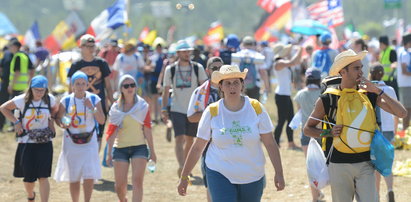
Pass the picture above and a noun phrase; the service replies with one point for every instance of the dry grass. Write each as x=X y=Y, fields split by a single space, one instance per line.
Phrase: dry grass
x=161 y=185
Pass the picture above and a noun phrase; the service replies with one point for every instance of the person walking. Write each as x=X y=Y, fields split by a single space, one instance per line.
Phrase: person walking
x=79 y=160
x=324 y=57
x=34 y=131
x=348 y=148
x=236 y=127
x=128 y=134
x=183 y=76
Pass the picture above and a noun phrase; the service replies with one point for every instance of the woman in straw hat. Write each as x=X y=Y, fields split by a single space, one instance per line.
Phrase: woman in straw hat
x=236 y=127
x=34 y=131
x=282 y=69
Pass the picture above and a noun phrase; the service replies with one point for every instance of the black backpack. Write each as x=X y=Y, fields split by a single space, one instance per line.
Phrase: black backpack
x=173 y=70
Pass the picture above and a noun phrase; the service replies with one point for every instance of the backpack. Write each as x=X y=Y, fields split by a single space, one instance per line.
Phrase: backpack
x=173 y=71
x=322 y=60
x=93 y=99
x=122 y=57
x=254 y=103
x=251 y=78
x=26 y=107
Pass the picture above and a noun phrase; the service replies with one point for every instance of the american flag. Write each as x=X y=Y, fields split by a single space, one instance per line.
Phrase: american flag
x=328 y=12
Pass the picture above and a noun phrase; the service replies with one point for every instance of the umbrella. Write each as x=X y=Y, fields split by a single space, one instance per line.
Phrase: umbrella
x=309 y=27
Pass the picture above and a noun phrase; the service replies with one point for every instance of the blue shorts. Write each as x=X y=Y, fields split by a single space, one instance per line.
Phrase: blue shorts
x=305 y=140
x=222 y=190
x=127 y=153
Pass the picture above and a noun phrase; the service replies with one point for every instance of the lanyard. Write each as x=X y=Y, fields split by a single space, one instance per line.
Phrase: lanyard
x=76 y=114
x=37 y=109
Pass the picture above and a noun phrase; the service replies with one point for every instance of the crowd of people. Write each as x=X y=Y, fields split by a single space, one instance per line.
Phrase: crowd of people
x=213 y=101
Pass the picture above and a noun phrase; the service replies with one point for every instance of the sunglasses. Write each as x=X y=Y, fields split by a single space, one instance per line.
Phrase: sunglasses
x=215 y=68
x=89 y=46
x=131 y=85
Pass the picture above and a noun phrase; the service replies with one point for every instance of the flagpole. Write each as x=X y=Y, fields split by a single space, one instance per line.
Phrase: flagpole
x=127 y=22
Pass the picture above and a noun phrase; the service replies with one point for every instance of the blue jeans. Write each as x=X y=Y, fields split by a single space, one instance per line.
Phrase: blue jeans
x=222 y=190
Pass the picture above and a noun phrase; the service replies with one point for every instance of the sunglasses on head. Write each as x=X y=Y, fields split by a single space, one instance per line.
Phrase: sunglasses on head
x=132 y=85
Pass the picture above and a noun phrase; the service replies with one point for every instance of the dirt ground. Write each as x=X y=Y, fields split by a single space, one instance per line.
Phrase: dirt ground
x=161 y=185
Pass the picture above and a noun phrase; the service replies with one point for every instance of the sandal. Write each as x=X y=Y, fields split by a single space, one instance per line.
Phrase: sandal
x=32 y=198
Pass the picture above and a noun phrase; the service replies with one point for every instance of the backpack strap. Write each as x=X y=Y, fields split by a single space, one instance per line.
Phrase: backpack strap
x=173 y=71
x=254 y=103
x=214 y=109
x=67 y=102
x=93 y=100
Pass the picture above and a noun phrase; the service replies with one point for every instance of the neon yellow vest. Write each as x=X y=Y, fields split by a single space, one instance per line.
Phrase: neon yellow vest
x=354 y=110
x=23 y=79
x=385 y=62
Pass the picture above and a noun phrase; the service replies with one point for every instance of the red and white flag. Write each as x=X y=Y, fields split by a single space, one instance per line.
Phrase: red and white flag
x=328 y=12
x=270 y=5
x=143 y=33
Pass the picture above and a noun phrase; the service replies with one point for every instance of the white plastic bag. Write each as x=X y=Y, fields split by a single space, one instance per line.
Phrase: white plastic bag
x=317 y=169
x=295 y=123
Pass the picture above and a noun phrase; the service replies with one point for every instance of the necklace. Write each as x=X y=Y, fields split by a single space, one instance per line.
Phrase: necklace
x=37 y=109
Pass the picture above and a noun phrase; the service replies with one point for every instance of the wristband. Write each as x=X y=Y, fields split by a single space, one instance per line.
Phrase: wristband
x=17 y=122
x=186 y=178
x=326 y=133
x=382 y=92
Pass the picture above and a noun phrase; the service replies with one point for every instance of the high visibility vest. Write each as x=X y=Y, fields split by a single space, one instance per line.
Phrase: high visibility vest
x=386 y=63
x=23 y=79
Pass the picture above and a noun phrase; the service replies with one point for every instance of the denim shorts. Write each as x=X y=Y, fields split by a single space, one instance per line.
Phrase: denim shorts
x=127 y=153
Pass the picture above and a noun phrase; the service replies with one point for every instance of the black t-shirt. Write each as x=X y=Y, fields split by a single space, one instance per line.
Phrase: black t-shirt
x=5 y=67
x=393 y=56
x=17 y=63
x=336 y=156
x=96 y=70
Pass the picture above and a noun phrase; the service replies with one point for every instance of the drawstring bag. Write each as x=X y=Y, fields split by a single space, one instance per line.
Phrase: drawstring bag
x=382 y=154
x=316 y=166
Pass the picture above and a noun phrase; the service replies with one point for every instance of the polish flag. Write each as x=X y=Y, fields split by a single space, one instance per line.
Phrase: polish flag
x=110 y=19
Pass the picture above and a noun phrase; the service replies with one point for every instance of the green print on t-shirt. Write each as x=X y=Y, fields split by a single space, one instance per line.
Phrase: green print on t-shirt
x=237 y=132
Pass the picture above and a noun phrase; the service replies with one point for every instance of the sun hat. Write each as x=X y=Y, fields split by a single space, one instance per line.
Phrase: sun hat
x=313 y=73
x=79 y=75
x=39 y=81
x=228 y=72
x=182 y=45
x=345 y=58
x=123 y=78
x=280 y=50
x=87 y=38
x=325 y=37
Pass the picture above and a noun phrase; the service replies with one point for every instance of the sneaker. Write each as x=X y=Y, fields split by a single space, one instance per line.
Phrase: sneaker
x=390 y=196
x=10 y=129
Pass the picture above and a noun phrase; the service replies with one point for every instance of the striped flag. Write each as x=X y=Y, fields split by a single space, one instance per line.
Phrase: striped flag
x=214 y=35
x=328 y=12
x=274 y=22
x=270 y=5
x=32 y=35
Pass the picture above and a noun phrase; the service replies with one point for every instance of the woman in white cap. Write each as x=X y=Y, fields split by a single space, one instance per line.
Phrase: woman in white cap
x=129 y=131
x=79 y=113
x=34 y=131
x=236 y=127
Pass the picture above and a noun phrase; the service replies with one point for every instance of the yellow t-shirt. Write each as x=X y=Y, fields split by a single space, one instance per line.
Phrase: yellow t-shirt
x=131 y=134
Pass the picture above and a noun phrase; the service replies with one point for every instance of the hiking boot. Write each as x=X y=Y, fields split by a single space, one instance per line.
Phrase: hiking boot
x=390 y=196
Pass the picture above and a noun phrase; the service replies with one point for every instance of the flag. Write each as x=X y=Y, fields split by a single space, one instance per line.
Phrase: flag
x=274 y=22
x=328 y=12
x=170 y=34
x=335 y=43
x=6 y=26
x=110 y=19
x=214 y=35
x=32 y=35
x=151 y=36
x=64 y=35
x=143 y=33
x=270 y=5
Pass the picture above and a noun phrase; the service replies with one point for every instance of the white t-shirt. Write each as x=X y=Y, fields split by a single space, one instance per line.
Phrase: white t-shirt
x=403 y=80
x=129 y=64
x=387 y=119
x=36 y=117
x=183 y=85
x=284 y=83
x=258 y=59
x=235 y=149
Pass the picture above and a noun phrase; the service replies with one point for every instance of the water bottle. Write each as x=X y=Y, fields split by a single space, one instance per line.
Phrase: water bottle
x=66 y=120
x=264 y=98
x=151 y=166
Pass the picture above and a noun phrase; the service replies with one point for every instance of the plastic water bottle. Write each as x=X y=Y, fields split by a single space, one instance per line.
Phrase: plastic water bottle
x=151 y=166
x=264 y=98
x=66 y=120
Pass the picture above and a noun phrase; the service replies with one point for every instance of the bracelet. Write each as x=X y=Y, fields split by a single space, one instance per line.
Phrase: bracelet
x=326 y=133
x=18 y=121
x=382 y=92
x=94 y=110
x=186 y=178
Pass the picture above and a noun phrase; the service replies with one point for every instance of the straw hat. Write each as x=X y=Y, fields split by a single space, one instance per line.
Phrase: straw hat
x=228 y=72
x=345 y=58
x=281 y=50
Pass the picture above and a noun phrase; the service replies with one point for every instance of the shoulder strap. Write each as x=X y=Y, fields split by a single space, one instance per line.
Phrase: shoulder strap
x=26 y=106
x=214 y=109
x=67 y=102
x=173 y=71
x=49 y=104
x=195 y=66
x=135 y=56
x=256 y=105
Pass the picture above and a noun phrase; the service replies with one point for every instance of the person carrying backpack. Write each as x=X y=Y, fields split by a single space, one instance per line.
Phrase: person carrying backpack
x=348 y=114
x=183 y=76
x=324 y=57
x=249 y=58
x=34 y=131
x=236 y=127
